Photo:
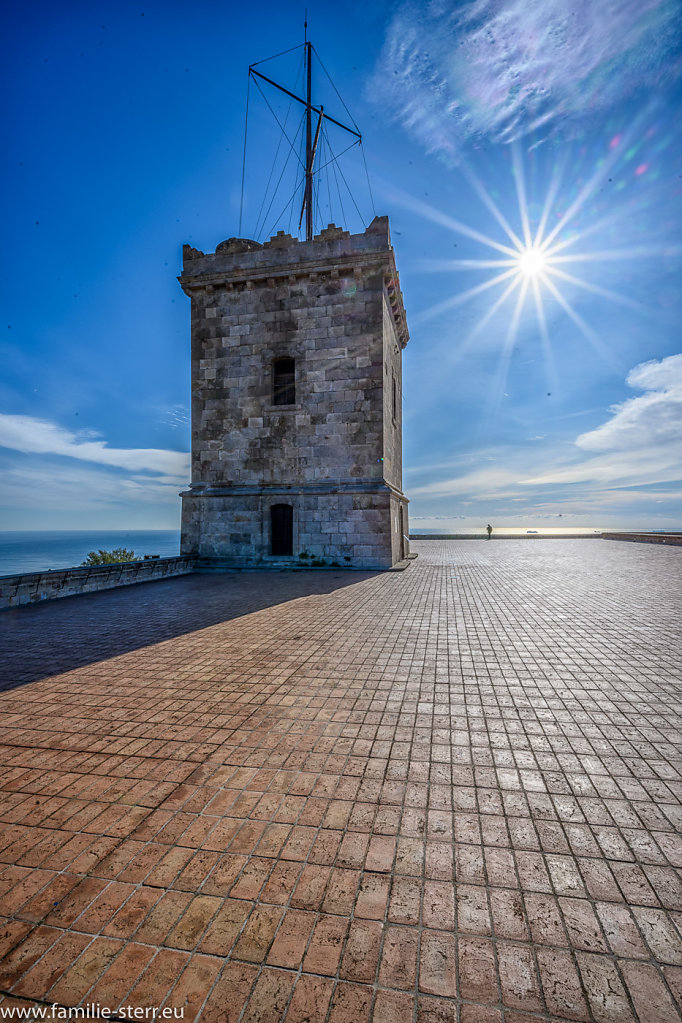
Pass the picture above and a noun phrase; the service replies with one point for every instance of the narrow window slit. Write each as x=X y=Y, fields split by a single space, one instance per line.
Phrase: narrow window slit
x=284 y=382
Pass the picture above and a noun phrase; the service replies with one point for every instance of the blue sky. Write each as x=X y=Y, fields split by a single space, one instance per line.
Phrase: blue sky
x=543 y=379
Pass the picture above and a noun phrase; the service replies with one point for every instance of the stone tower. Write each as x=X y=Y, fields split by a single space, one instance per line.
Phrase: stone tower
x=296 y=402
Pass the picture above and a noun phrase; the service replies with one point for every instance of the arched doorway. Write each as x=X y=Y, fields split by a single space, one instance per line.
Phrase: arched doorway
x=282 y=530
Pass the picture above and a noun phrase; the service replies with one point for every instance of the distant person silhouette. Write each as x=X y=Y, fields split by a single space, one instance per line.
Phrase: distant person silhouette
x=489 y=529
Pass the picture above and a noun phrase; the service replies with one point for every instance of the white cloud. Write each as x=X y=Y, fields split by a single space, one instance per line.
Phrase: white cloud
x=39 y=436
x=652 y=419
x=482 y=482
x=503 y=68
x=82 y=487
x=642 y=441
x=78 y=495
x=625 y=473
x=631 y=468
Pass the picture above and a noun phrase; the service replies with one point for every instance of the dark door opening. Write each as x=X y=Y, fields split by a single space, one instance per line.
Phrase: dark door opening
x=282 y=519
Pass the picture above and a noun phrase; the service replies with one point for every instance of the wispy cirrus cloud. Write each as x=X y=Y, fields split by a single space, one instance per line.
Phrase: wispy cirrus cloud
x=31 y=435
x=178 y=416
x=482 y=482
x=75 y=494
x=80 y=487
x=500 y=69
x=638 y=447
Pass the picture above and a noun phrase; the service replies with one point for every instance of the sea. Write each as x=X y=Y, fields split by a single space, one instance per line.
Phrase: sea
x=40 y=550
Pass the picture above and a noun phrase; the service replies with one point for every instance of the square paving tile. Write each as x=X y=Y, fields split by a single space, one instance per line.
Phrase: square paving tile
x=448 y=794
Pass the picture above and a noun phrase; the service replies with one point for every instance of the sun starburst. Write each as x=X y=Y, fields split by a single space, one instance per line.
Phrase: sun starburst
x=531 y=261
x=528 y=270
x=525 y=268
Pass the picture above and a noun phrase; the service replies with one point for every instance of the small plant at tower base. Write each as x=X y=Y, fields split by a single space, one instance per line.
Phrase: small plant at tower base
x=101 y=557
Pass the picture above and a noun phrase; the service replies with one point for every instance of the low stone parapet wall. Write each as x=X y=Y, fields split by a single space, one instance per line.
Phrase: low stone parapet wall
x=674 y=539
x=33 y=587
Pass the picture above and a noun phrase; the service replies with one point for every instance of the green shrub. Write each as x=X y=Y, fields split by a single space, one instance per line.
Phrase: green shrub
x=109 y=557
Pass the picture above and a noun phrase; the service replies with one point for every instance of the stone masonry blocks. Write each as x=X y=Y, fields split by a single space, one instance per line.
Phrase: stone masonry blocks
x=334 y=454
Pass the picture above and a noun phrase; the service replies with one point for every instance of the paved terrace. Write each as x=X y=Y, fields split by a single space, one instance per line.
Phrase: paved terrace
x=447 y=794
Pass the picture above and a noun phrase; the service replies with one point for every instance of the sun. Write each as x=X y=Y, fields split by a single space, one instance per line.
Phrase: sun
x=526 y=269
x=529 y=267
x=531 y=261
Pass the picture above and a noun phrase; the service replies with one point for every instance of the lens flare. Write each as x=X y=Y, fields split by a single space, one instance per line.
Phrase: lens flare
x=528 y=263
x=526 y=267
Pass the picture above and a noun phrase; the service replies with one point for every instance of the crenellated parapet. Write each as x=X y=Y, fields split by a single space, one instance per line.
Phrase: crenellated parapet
x=333 y=253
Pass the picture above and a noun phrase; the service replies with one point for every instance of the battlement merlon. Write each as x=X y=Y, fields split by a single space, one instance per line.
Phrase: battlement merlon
x=333 y=252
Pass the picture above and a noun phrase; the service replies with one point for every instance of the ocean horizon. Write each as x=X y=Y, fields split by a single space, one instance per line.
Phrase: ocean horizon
x=34 y=550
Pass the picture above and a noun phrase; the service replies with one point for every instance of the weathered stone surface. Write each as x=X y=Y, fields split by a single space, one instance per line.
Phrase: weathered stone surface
x=34 y=587
x=335 y=454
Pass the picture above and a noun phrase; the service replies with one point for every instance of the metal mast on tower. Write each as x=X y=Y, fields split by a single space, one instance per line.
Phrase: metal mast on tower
x=311 y=141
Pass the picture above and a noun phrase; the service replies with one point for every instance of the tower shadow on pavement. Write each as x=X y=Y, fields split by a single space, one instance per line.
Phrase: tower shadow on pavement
x=58 y=636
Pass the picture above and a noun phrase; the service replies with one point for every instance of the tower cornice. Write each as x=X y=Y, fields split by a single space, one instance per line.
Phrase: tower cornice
x=239 y=263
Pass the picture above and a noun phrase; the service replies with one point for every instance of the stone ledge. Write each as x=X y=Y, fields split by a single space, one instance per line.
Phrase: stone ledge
x=226 y=566
x=672 y=539
x=400 y=566
x=35 y=587
x=303 y=489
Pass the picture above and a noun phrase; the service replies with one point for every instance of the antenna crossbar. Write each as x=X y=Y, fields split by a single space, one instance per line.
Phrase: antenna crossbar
x=311 y=144
x=300 y=100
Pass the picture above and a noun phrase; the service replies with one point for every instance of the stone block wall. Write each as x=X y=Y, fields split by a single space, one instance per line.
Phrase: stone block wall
x=334 y=306
x=393 y=402
x=672 y=539
x=35 y=587
x=333 y=529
